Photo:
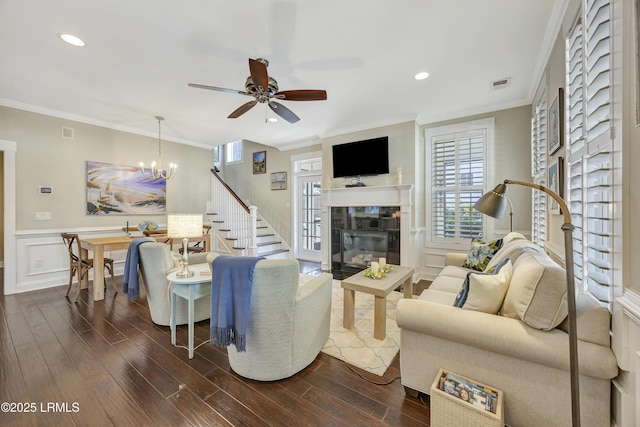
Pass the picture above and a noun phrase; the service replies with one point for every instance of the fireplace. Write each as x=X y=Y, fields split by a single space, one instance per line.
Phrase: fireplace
x=357 y=221
x=363 y=234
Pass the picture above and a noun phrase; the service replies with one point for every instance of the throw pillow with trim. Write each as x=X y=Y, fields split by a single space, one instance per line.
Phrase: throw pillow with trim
x=481 y=253
x=485 y=291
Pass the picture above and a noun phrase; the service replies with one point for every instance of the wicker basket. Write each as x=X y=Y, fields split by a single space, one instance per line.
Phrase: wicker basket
x=451 y=411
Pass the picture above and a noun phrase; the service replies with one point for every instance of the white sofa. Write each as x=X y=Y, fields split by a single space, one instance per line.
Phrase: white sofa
x=522 y=350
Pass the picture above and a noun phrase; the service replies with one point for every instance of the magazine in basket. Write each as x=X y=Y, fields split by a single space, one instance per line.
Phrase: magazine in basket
x=457 y=400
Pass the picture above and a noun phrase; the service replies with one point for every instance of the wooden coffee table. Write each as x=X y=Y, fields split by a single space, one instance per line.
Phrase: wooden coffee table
x=380 y=288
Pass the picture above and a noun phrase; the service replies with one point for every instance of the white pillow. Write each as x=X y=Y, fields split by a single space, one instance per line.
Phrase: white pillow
x=514 y=235
x=486 y=291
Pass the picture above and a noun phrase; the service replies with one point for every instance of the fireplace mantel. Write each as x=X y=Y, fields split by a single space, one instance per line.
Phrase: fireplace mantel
x=383 y=195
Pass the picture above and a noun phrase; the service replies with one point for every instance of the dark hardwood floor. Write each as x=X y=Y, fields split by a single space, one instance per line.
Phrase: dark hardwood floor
x=105 y=363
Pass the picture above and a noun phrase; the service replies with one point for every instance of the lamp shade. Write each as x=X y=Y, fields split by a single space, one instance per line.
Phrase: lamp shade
x=184 y=225
x=494 y=202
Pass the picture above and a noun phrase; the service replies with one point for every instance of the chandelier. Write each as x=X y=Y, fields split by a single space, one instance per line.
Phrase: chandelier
x=156 y=168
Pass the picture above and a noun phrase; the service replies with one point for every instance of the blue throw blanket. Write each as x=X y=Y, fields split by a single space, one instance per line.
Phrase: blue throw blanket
x=231 y=285
x=130 y=284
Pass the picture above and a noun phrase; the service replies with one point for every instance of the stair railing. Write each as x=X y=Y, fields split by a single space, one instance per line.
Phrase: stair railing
x=239 y=219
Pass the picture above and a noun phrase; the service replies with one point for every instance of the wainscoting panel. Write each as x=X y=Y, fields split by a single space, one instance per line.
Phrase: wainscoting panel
x=43 y=261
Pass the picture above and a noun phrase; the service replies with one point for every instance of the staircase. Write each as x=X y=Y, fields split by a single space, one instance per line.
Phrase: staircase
x=238 y=229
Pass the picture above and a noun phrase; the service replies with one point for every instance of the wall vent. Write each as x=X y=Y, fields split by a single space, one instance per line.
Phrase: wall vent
x=501 y=84
x=67 y=132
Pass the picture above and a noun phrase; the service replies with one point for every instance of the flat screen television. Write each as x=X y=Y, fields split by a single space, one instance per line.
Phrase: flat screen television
x=361 y=158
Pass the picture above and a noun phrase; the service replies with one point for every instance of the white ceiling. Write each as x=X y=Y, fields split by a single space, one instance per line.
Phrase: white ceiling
x=141 y=54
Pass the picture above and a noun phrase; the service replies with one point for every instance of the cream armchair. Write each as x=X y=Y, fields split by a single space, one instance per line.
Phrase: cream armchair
x=156 y=262
x=288 y=324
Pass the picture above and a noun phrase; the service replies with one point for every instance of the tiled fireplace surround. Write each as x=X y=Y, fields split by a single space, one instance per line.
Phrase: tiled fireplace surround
x=386 y=195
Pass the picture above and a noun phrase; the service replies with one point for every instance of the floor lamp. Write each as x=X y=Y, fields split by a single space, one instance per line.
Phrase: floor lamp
x=493 y=204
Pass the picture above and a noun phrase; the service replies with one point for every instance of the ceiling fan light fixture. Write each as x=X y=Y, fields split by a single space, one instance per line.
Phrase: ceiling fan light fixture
x=72 y=40
x=264 y=89
x=421 y=75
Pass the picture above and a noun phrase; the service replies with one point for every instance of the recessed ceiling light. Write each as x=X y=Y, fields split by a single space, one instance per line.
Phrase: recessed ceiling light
x=421 y=76
x=273 y=119
x=73 y=40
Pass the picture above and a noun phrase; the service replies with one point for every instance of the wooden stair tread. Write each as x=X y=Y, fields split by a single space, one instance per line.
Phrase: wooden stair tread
x=273 y=242
x=278 y=251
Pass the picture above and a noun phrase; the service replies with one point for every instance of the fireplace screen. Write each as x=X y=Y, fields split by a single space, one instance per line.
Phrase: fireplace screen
x=359 y=248
x=360 y=235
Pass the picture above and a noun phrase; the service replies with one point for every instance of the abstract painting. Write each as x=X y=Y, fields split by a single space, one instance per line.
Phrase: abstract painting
x=123 y=190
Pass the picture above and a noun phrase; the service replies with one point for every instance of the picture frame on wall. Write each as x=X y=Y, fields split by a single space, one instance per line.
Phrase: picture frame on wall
x=556 y=123
x=279 y=181
x=556 y=183
x=259 y=162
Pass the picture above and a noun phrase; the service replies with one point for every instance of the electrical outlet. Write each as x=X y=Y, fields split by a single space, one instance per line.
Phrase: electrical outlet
x=38 y=263
x=43 y=216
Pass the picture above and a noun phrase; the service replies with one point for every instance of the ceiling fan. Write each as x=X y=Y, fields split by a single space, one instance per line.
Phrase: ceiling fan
x=265 y=89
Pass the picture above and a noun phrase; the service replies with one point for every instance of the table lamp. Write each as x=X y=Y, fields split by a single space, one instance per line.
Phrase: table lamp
x=184 y=226
x=493 y=204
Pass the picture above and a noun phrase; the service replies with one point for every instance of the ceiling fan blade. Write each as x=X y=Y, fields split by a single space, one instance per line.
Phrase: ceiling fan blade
x=242 y=109
x=302 y=95
x=259 y=74
x=219 y=89
x=283 y=112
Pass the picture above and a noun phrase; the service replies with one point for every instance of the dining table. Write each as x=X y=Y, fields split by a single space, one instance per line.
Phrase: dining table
x=99 y=245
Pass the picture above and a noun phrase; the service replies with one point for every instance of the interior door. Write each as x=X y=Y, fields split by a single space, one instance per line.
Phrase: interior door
x=309 y=224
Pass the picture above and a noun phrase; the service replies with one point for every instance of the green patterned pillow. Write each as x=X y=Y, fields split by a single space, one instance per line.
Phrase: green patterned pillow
x=481 y=253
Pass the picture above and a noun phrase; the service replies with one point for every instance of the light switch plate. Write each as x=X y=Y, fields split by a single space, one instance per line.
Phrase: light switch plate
x=43 y=216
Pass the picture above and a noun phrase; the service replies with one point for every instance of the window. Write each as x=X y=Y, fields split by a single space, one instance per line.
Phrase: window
x=311 y=165
x=539 y=172
x=589 y=148
x=233 y=152
x=457 y=155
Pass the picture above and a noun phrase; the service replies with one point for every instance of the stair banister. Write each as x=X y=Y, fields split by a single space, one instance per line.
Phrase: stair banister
x=239 y=218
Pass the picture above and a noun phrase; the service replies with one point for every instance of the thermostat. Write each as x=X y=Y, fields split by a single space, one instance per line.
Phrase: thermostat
x=45 y=190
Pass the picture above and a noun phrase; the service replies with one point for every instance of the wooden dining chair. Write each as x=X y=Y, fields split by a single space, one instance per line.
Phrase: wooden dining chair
x=80 y=266
x=158 y=234
x=197 y=247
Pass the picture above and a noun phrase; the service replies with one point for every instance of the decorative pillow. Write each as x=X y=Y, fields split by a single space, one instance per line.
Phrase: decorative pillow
x=510 y=237
x=485 y=291
x=538 y=292
x=481 y=253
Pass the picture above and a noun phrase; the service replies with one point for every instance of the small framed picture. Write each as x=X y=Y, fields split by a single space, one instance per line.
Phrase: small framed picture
x=260 y=162
x=279 y=181
x=556 y=183
x=556 y=123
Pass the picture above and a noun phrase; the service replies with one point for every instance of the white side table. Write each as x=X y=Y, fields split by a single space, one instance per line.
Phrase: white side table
x=191 y=289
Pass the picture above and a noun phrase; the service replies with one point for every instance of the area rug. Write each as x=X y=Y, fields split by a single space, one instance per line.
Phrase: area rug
x=357 y=346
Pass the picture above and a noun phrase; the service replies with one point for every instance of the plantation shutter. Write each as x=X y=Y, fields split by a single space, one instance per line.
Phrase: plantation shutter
x=457 y=177
x=576 y=206
x=574 y=99
x=588 y=120
x=539 y=173
x=598 y=76
x=599 y=226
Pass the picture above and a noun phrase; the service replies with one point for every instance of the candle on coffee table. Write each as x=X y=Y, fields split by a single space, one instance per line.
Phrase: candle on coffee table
x=374 y=267
x=382 y=261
